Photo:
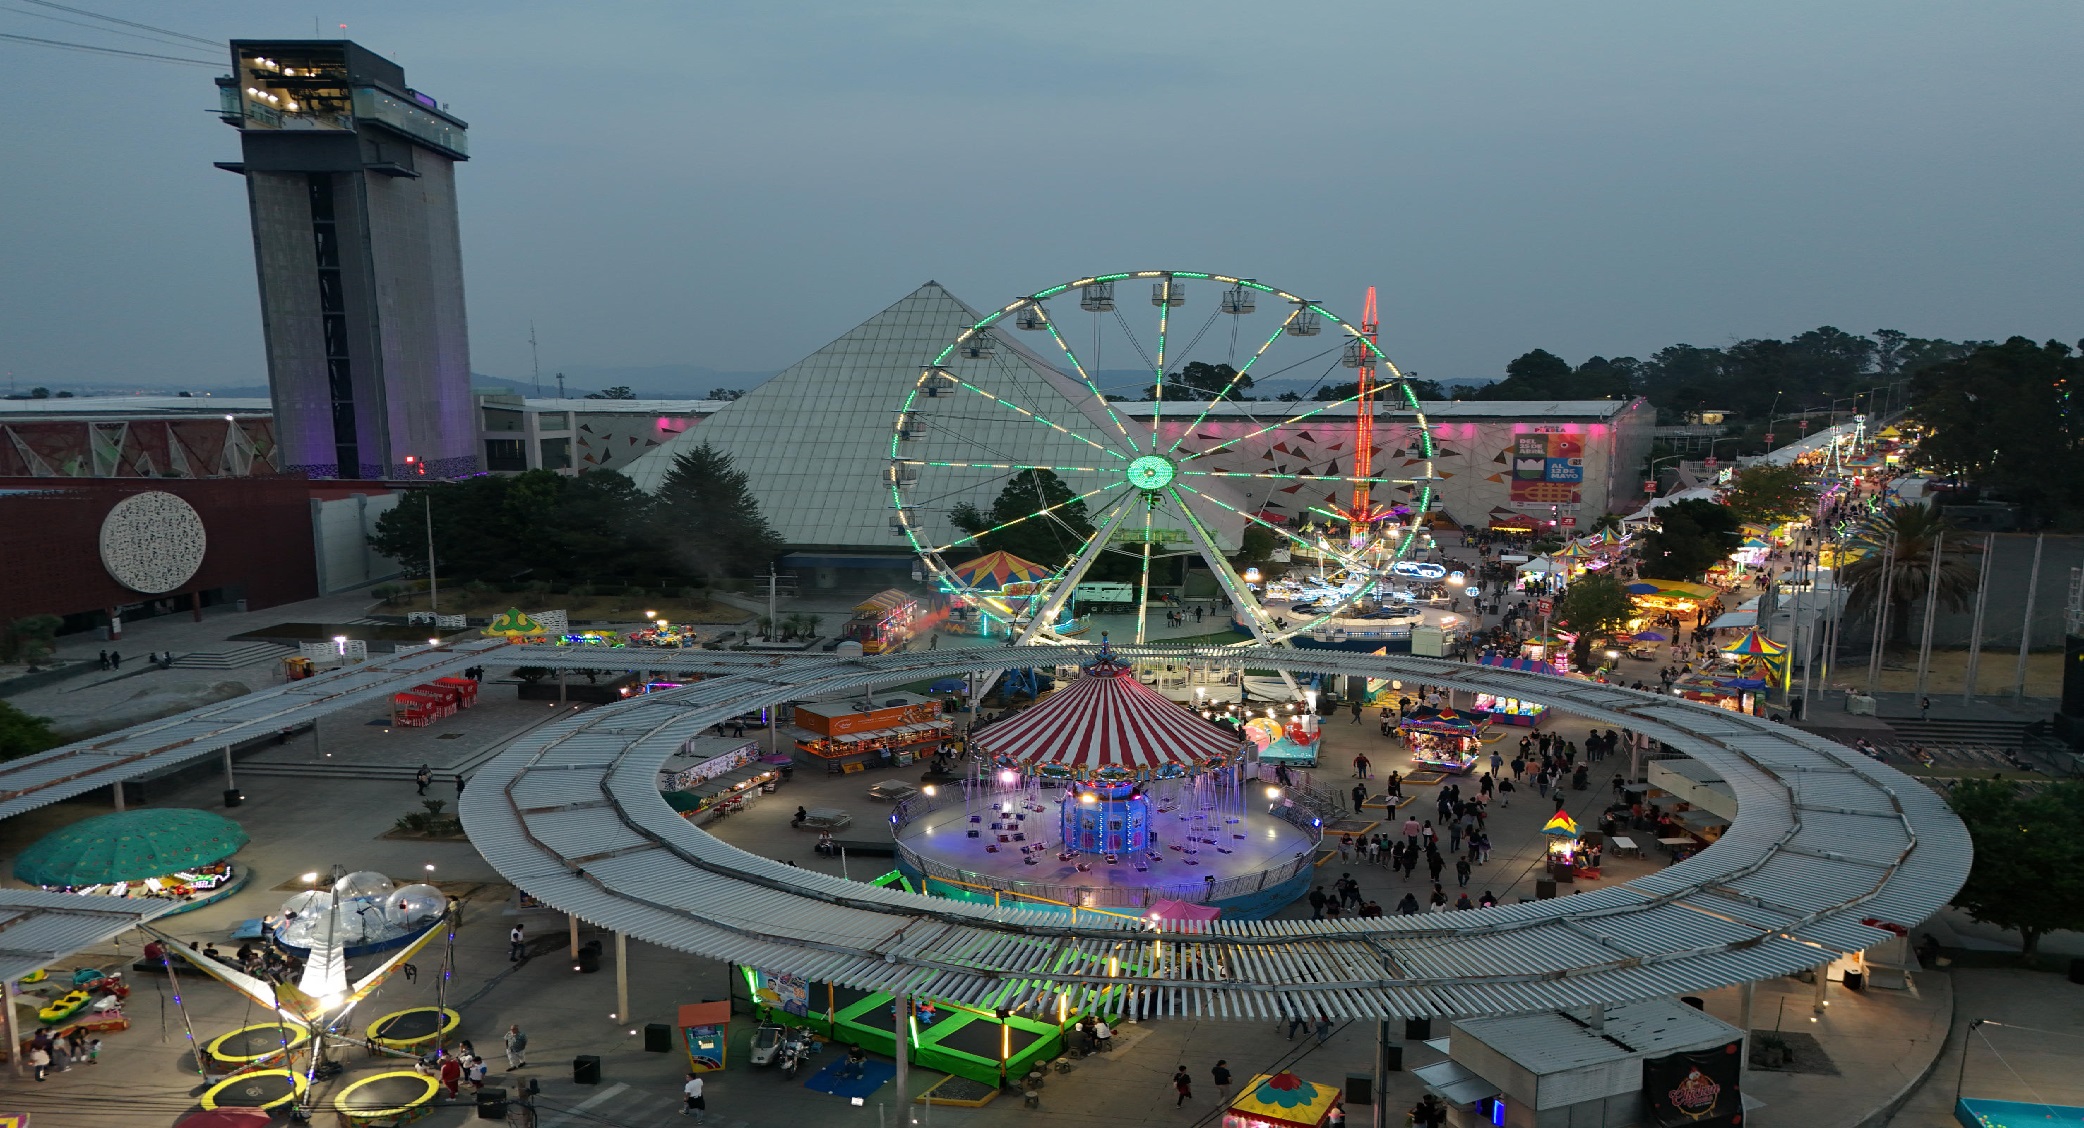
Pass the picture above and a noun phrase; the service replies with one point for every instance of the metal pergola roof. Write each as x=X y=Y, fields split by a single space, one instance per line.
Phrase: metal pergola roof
x=37 y=929
x=1826 y=840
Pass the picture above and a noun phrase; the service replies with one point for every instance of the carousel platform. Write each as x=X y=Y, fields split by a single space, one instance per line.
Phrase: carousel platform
x=1193 y=845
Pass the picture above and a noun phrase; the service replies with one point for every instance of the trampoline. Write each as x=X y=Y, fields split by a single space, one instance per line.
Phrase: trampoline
x=844 y=997
x=252 y=1043
x=262 y=1089
x=414 y=1026
x=395 y=1097
x=980 y=1036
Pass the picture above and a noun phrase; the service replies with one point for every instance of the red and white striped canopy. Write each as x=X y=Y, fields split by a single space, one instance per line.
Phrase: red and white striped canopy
x=1108 y=719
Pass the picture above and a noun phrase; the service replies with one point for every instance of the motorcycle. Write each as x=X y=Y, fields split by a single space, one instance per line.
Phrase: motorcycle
x=767 y=1043
x=801 y=1043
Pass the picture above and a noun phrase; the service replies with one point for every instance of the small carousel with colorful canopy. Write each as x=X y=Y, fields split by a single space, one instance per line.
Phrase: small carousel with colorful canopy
x=1107 y=794
x=993 y=596
x=1283 y=1100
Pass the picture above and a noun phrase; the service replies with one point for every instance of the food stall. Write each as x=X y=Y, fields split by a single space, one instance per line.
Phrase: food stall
x=1283 y=1100
x=1569 y=856
x=883 y=621
x=1511 y=710
x=1443 y=739
x=1738 y=695
x=1677 y=596
x=725 y=794
x=162 y=853
x=704 y=758
x=844 y=735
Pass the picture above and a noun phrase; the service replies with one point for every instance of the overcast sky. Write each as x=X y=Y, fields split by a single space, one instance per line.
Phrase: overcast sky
x=733 y=185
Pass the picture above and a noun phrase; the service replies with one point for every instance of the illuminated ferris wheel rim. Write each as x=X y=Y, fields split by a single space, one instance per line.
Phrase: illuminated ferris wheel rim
x=1149 y=474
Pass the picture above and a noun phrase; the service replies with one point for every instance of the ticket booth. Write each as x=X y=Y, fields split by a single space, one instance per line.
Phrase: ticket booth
x=705 y=1029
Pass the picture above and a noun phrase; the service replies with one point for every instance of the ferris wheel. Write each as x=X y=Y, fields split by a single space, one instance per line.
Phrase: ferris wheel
x=1117 y=449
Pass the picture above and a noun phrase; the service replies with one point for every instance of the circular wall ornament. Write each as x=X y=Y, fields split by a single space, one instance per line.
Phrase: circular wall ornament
x=152 y=542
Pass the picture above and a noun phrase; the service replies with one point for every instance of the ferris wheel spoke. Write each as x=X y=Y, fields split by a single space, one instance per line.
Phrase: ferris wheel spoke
x=1272 y=477
x=1143 y=594
x=1013 y=466
x=1077 y=366
x=1277 y=530
x=1158 y=391
x=1044 y=512
x=1066 y=583
x=1274 y=426
x=1256 y=619
x=1235 y=380
x=1037 y=417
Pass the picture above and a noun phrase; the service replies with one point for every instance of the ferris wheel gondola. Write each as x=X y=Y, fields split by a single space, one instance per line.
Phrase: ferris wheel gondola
x=1135 y=492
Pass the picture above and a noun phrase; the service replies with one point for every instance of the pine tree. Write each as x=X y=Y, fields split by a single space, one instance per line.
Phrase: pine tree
x=707 y=513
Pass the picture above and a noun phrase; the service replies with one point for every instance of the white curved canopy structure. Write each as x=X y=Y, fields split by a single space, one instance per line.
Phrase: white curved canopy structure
x=1826 y=847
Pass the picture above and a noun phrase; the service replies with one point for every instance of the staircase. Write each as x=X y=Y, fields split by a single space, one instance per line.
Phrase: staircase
x=250 y=655
x=1984 y=733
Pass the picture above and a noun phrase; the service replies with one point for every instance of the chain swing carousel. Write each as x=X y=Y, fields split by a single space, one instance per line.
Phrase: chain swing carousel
x=1107 y=795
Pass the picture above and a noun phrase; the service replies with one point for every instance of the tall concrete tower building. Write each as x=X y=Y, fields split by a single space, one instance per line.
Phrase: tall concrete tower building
x=351 y=179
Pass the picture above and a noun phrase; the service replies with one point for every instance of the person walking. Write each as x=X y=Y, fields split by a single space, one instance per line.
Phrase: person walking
x=1461 y=872
x=1220 y=1074
x=451 y=1075
x=1323 y=1029
x=1360 y=797
x=517 y=948
x=459 y=790
x=115 y=659
x=1924 y=708
x=1183 y=1084
x=517 y=1048
x=101 y=663
x=1317 y=900
x=1356 y=712
x=692 y=1092
x=1360 y=765
x=423 y=777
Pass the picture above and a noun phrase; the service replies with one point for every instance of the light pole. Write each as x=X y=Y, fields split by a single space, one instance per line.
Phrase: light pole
x=1961 y=1074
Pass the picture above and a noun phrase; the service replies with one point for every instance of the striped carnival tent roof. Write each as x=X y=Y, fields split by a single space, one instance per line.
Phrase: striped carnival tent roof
x=1107 y=719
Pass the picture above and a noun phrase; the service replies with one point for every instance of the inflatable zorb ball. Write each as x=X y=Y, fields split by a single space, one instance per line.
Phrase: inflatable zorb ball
x=414 y=906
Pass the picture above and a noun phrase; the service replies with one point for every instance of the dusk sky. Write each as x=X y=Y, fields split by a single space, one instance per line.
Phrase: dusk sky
x=731 y=186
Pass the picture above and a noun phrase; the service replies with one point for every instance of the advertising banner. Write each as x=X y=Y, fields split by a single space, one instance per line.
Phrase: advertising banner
x=1695 y=1089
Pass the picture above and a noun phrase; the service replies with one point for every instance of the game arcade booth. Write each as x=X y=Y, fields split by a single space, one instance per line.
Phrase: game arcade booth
x=1442 y=739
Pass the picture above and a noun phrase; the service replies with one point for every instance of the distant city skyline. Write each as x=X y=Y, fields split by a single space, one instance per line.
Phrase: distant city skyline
x=725 y=190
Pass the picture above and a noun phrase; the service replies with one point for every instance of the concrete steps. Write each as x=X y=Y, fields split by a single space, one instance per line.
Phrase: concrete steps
x=251 y=655
x=1990 y=732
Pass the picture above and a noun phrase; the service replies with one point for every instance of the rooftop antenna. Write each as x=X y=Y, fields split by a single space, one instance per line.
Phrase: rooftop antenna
x=560 y=385
x=535 y=360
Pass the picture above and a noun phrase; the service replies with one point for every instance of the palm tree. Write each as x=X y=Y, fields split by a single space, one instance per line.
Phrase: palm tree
x=1913 y=528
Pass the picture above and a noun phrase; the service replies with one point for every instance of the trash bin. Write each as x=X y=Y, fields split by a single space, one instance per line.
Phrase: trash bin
x=233 y=797
x=1544 y=888
x=1855 y=979
x=242 y=605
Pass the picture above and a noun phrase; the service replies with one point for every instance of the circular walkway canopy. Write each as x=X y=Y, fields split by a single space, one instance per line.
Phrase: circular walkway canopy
x=1830 y=851
x=129 y=846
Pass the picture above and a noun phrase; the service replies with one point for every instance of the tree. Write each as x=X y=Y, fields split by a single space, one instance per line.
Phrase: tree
x=22 y=734
x=1200 y=380
x=1770 y=494
x=1050 y=538
x=1385 y=391
x=1913 y=528
x=2028 y=874
x=30 y=639
x=1689 y=538
x=1595 y=606
x=2002 y=416
x=725 y=394
x=1541 y=374
x=618 y=392
x=707 y=514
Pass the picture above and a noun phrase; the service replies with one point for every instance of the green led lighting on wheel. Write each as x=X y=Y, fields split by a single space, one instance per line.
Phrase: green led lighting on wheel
x=1151 y=472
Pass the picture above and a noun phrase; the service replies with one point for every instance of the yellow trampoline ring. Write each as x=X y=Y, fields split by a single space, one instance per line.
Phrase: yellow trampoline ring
x=249 y=1044
x=262 y=1089
x=413 y=1027
x=399 y=1106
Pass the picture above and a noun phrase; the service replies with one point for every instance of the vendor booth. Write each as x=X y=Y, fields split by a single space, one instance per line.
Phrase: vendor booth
x=883 y=621
x=1677 y=596
x=1738 y=695
x=165 y=854
x=1443 y=739
x=1569 y=855
x=895 y=728
x=1283 y=1100
x=1658 y=1062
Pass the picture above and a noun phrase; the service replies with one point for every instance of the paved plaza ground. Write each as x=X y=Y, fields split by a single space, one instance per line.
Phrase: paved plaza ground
x=313 y=803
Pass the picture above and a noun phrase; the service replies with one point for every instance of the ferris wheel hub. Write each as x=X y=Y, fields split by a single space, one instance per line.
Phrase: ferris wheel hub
x=1151 y=472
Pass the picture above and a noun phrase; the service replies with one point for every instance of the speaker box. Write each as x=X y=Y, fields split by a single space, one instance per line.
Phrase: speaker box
x=233 y=797
x=1393 y=1059
x=1417 y=1029
x=1360 y=1089
x=492 y=1104
x=589 y=960
x=658 y=1038
x=586 y=1070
